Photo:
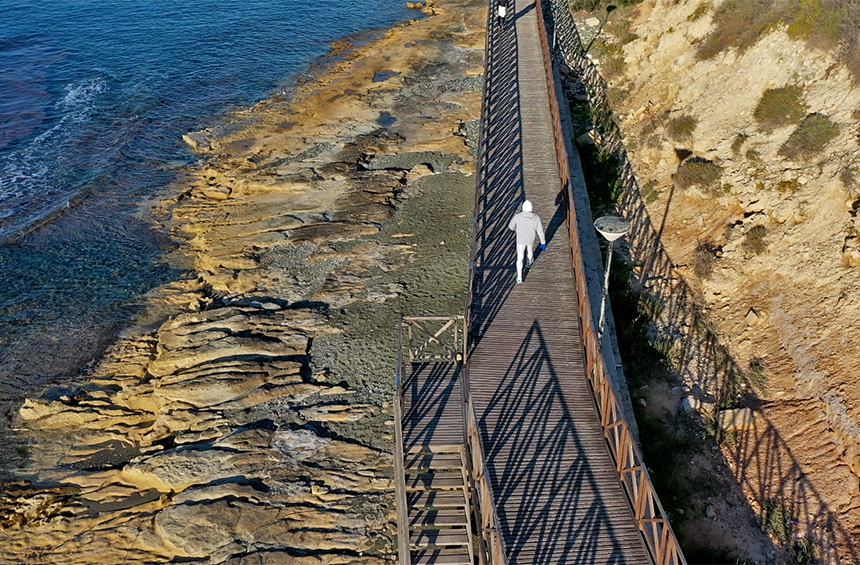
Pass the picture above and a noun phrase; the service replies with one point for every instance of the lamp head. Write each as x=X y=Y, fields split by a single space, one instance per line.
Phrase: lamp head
x=612 y=227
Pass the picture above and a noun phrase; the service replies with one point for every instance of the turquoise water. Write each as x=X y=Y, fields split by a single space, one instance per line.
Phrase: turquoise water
x=94 y=98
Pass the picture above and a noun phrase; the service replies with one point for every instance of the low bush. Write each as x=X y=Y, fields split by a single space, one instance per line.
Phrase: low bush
x=621 y=30
x=777 y=520
x=681 y=128
x=847 y=176
x=616 y=96
x=810 y=137
x=754 y=240
x=780 y=107
x=602 y=179
x=700 y=172
x=803 y=552
x=757 y=375
x=704 y=259
x=613 y=67
x=789 y=186
x=738 y=142
x=649 y=192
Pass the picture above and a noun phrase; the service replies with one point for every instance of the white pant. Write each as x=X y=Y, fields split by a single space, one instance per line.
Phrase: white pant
x=521 y=250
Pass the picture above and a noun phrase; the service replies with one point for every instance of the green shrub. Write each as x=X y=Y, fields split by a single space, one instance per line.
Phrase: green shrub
x=810 y=137
x=704 y=259
x=817 y=21
x=803 y=552
x=614 y=67
x=681 y=128
x=789 y=186
x=754 y=240
x=700 y=172
x=649 y=192
x=603 y=179
x=780 y=107
x=753 y=156
x=777 y=521
x=757 y=375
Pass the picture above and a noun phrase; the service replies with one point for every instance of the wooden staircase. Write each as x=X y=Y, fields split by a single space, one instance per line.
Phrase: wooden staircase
x=437 y=499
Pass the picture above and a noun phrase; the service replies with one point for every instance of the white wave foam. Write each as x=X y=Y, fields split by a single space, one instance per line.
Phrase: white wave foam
x=80 y=96
x=31 y=184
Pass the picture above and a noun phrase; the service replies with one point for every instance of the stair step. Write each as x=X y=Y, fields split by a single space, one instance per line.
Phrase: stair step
x=436 y=448
x=447 y=517
x=434 y=461
x=446 y=556
x=434 y=481
x=435 y=499
x=446 y=538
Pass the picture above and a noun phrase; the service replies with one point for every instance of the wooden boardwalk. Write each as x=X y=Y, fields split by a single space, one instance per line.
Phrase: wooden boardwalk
x=556 y=489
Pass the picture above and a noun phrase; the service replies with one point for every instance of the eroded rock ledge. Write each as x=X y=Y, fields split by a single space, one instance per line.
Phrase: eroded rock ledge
x=246 y=420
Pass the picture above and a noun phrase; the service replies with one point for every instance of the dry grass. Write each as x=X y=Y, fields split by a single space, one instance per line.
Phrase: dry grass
x=810 y=137
x=754 y=241
x=682 y=128
x=704 y=259
x=700 y=11
x=780 y=107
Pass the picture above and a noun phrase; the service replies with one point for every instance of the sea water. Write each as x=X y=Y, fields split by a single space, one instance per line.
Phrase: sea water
x=94 y=98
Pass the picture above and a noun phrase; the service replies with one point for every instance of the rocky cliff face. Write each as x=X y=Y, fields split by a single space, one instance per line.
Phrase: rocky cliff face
x=247 y=419
x=747 y=161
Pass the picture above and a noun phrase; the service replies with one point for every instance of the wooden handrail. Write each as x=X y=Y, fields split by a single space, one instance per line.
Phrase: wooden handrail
x=492 y=543
x=633 y=474
x=403 y=552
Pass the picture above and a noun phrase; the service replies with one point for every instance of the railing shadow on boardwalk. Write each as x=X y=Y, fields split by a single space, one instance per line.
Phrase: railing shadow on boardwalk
x=432 y=388
x=501 y=190
x=551 y=495
x=762 y=461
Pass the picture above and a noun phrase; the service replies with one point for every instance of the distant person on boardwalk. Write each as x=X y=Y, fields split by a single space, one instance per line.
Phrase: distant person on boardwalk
x=528 y=227
x=501 y=12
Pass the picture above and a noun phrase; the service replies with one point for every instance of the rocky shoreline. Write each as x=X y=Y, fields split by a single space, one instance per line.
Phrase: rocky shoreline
x=246 y=419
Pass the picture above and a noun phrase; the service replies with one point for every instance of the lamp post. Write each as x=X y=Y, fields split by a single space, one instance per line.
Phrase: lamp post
x=611 y=228
x=609 y=9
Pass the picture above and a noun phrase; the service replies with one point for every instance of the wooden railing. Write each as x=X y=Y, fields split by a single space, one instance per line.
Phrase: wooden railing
x=434 y=338
x=403 y=552
x=492 y=545
x=443 y=339
x=633 y=474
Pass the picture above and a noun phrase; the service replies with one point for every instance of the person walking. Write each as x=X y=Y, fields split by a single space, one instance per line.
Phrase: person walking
x=501 y=12
x=528 y=227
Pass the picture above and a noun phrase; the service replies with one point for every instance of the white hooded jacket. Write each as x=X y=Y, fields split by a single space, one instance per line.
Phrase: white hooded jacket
x=528 y=226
